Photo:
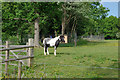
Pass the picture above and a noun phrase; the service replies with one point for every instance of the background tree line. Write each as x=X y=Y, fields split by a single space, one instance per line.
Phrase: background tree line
x=23 y=20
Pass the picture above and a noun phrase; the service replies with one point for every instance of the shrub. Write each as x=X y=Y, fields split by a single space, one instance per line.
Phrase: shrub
x=71 y=44
x=14 y=40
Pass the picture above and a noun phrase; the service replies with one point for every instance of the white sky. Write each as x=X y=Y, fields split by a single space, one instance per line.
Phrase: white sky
x=110 y=0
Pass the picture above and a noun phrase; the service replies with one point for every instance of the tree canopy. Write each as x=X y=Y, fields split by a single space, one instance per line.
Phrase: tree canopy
x=55 y=18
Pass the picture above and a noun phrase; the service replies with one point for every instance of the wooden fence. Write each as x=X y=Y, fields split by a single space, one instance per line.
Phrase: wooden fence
x=12 y=48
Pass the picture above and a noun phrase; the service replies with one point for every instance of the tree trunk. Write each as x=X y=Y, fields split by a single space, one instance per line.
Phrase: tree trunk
x=73 y=31
x=75 y=38
x=36 y=35
x=55 y=33
x=74 y=26
x=63 y=25
x=63 y=20
x=68 y=33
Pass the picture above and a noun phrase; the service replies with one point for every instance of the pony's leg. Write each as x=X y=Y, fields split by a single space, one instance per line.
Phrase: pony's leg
x=55 y=50
x=44 y=50
x=47 y=51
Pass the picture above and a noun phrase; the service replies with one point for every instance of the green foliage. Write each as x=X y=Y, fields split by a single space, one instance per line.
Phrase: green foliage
x=118 y=35
x=94 y=23
x=80 y=42
x=67 y=45
x=14 y=40
x=110 y=30
x=18 y=18
x=84 y=18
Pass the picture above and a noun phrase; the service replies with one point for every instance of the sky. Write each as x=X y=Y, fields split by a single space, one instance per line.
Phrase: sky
x=112 y=5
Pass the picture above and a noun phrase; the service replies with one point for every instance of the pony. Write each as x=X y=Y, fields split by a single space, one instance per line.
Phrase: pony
x=52 y=42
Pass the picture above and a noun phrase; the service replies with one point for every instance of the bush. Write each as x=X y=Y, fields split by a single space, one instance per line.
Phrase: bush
x=66 y=45
x=14 y=40
x=118 y=35
x=81 y=42
x=71 y=44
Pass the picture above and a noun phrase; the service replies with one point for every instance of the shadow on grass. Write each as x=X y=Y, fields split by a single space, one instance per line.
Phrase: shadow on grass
x=51 y=54
x=61 y=53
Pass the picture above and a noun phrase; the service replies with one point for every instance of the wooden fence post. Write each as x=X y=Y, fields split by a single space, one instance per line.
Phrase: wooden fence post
x=30 y=52
x=6 y=57
x=19 y=70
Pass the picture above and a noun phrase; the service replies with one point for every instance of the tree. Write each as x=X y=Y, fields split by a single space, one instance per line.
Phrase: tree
x=72 y=13
x=95 y=20
x=26 y=18
x=72 y=10
x=110 y=27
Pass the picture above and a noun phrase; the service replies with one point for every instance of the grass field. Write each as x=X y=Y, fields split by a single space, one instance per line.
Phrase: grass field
x=94 y=60
x=90 y=60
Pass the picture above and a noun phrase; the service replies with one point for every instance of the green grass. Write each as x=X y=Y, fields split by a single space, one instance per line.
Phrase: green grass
x=83 y=61
x=77 y=62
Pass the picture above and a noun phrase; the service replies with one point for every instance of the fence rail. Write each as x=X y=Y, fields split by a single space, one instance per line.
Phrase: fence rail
x=12 y=48
x=11 y=55
x=25 y=57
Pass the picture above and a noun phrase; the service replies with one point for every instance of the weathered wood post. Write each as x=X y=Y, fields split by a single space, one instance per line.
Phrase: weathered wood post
x=6 y=58
x=30 y=52
x=19 y=70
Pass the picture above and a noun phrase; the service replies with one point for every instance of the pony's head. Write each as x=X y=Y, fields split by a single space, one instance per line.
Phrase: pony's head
x=61 y=38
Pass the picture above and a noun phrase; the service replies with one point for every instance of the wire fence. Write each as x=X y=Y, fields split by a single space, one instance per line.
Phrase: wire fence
x=93 y=37
x=43 y=72
x=48 y=66
x=77 y=66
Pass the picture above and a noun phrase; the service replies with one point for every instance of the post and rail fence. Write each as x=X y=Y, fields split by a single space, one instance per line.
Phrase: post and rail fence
x=12 y=48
